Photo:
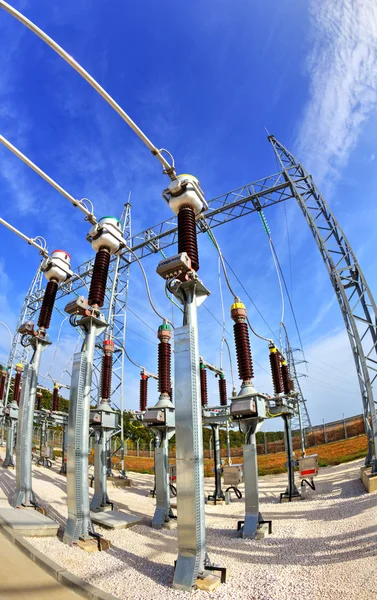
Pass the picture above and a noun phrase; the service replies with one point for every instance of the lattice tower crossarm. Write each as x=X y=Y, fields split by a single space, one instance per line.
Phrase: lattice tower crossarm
x=355 y=299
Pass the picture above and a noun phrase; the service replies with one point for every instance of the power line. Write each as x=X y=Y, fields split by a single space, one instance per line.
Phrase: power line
x=141 y=336
x=140 y=319
x=328 y=372
x=329 y=385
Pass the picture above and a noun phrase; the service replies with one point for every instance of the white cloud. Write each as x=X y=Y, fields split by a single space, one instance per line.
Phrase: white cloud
x=342 y=68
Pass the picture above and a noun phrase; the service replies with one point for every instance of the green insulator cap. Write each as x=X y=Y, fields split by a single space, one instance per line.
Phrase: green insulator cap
x=222 y=376
x=202 y=366
x=164 y=326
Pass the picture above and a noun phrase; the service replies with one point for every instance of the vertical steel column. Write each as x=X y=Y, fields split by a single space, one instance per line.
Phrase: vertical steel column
x=218 y=493
x=291 y=491
x=63 y=468
x=163 y=512
x=24 y=495
x=79 y=523
x=8 y=461
x=189 y=443
x=250 y=460
x=100 y=498
x=228 y=444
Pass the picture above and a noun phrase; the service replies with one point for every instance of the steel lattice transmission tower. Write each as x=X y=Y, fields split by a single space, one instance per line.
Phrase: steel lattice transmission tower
x=355 y=299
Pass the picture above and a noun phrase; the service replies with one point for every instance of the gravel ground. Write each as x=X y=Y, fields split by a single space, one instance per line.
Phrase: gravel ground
x=324 y=547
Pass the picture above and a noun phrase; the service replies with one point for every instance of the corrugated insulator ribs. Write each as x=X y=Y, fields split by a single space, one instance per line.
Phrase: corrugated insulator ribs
x=203 y=385
x=285 y=377
x=2 y=386
x=244 y=360
x=99 y=278
x=164 y=368
x=17 y=387
x=38 y=401
x=222 y=391
x=143 y=393
x=48 y=304
x=55 y=399
x=106 y=372
x=276 y=371
x=187 y=235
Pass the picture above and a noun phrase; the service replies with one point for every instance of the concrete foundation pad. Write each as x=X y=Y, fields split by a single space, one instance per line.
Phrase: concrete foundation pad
x=369 y=480
x=119 y=482
x=209 y=583
x=173 y=504
x=28 y=522
x=218 y=502
x=171 y=524
x=114 y=519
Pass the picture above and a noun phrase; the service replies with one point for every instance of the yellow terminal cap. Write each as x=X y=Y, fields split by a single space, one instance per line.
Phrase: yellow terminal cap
x=273 y=349
x=20 y=366
x=283 y=362
x=237 y=305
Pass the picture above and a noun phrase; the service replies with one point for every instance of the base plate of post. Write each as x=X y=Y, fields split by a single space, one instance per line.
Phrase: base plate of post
x=28 y=522
x=284 y=497
x=92 y=545
x=264 y=528
x=119 y=482
x=369 y=480
x=115 y=519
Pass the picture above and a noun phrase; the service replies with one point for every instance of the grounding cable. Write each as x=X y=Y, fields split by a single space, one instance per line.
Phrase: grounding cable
x=169 y=168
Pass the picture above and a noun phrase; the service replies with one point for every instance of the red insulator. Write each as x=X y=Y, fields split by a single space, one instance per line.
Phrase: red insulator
x=276 y=372
x=107 y=367
x=164 y=367
x=244 y=360
x=17 y=387
x=203 y=385
x=222 y=391
x=38 y=402
x=55 y=399
x=285 y=377
x=143 y=392
x=99 y=278
x=291 y=385
x=48 y=304
x=2 y=385
x=187 y=235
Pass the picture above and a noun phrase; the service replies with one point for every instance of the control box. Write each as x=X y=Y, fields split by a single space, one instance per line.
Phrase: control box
x=308 y=466
x=233 y=475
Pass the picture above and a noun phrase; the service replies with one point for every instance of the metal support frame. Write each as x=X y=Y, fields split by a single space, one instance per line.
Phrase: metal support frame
x=253 y=518
x=12 y=419
x=24 y=495
x=79 y=524
x=192 y=554
x=218 y=494
x=291 y=491
x=163 y=512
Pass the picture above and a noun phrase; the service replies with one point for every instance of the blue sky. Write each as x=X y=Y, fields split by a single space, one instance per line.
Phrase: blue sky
x=202 y=79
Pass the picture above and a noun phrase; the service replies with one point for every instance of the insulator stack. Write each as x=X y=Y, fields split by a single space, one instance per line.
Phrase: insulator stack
x=143 y=392
x=107 y=364
x=285 y=377
x=2 y=384
x=276 y=370
x=171 y=394
x=187 y=235
x=99 y=278
x=203 y=385
x=55 y=398
x=244 y=360
x=164 y=359
x=45 y=314
x=242 y=341
x=291 y=385
x=38 y=401
x=17 y=383
x=222 y=391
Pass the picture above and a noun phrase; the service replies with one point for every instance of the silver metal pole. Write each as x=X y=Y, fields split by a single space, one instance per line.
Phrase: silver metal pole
x=228 y=444
x=24 y=495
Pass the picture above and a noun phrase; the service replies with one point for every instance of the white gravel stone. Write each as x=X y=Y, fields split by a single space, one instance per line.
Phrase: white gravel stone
x=322 y=548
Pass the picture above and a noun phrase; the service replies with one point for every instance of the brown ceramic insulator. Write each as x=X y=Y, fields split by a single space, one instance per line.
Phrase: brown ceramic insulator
x=171 y=394
x=276 y=372
x=38 y=401
x=143 y=393
x=291 y=385
x=2 y=386
x=203 y=386
x=48 y=304
x=106 y=371
x=17 y=387
x=187 y=235
x=222 y=392
x=99 y=278
x=244 y=360
x=55 y=399
x=286 y=378
x=164 y=367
